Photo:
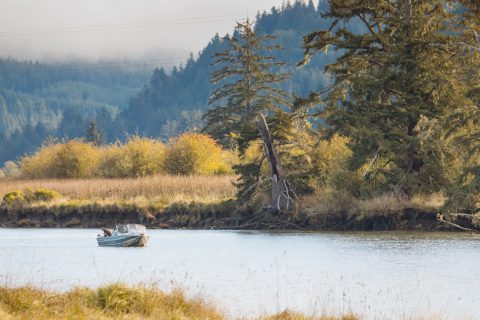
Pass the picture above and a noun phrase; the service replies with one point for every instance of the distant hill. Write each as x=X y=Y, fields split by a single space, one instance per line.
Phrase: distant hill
x=39 y=100
x=188 y=87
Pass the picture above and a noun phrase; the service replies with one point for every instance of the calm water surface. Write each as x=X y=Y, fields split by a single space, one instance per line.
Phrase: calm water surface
x=377 y=275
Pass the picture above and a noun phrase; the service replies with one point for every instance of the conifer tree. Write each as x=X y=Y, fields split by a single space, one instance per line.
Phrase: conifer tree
x=94 y=134
x=463 y=125
x=245 y=84
x=246 y=88
x=389 y=80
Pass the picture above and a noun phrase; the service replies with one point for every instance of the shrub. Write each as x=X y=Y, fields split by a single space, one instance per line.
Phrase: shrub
x=41 y=164
x=45 y=195
x=14 y=198
x=137 y=158
x=194 y=153
x=73 y=159
x=19 y=198
x=330 y=156
x=76 y=159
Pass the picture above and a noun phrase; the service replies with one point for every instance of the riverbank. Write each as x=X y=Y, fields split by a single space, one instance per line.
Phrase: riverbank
x=221 y=215
x=117 y=302
x=200 y=202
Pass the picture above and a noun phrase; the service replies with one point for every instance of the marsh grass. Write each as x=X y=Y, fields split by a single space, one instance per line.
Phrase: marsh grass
x=118 y=301
x=163 y=188
x=111 y=302
x=327 y=202
x=290 y=315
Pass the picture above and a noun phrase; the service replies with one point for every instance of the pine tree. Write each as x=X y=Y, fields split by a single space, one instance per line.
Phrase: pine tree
x=94 y=134
x=463 y=125
x=389 y=80
x=246 y=84
x=246 y=88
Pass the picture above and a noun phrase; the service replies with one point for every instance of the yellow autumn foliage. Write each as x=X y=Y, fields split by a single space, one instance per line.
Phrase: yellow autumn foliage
x=41 y=164
x=73 y=159
x=329 y=157
x=139 y=157
x=194 y=153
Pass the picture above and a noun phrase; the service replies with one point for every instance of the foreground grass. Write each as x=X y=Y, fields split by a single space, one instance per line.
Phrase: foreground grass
x=116 y=302
x=165 y=188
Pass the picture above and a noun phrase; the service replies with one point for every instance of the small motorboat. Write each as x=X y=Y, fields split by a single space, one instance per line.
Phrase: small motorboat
x=124 y=235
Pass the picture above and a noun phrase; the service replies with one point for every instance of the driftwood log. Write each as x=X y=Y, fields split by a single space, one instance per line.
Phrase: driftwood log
x=282 y=195
x=441 y=218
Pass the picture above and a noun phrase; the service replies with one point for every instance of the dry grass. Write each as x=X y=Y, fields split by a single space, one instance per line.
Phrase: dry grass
x=110 y=302
x=390 y=203
x=289 y=315
x=332 y=202
x=165 y=188
x=117 y=302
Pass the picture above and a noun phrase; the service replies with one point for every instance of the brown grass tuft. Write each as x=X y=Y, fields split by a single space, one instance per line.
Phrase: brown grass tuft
x=111 y=302
x=290 y=315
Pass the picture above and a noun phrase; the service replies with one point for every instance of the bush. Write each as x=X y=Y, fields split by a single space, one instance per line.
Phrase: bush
x=73 y=159
x=330 y=157
x=14 y=198
x=137 y=158
x=20 y=198
x=194 y=153
x=76 y=159
x=41 y=164
x=46 y=195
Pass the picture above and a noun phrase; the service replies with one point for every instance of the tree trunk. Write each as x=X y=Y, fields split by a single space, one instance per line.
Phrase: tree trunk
x=281 y=198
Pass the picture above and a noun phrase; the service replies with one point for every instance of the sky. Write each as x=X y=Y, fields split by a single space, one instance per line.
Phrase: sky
x=162 y=30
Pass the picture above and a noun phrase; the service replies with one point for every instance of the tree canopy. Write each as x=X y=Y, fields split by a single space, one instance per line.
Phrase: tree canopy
x=393 y=80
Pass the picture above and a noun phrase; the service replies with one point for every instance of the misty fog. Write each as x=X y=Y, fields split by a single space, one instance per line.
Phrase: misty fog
x=153 y=31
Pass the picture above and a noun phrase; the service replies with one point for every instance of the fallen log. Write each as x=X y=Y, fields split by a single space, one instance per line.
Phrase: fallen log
x=441 y=218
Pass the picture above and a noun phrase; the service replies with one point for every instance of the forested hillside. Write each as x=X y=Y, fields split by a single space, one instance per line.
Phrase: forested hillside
x=188 y=87
x=42 y=100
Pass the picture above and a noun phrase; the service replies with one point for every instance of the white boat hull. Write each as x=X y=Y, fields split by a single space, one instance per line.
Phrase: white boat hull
x=123 y=240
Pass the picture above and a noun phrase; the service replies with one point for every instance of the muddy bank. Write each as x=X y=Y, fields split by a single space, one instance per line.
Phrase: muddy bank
x=220 y=216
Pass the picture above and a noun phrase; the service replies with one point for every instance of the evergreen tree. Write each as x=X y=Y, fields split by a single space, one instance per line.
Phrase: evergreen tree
x=389 y=80
x=246 y=86
x=94 y=134
x=463 y=125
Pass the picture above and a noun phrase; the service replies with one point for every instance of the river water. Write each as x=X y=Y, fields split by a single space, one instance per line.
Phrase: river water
x=379 y=275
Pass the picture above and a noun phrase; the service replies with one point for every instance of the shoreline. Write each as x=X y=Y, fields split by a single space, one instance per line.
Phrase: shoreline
x=222 y=216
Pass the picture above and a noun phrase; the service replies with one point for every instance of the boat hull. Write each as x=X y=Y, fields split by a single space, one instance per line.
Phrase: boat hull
x=123 y=241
